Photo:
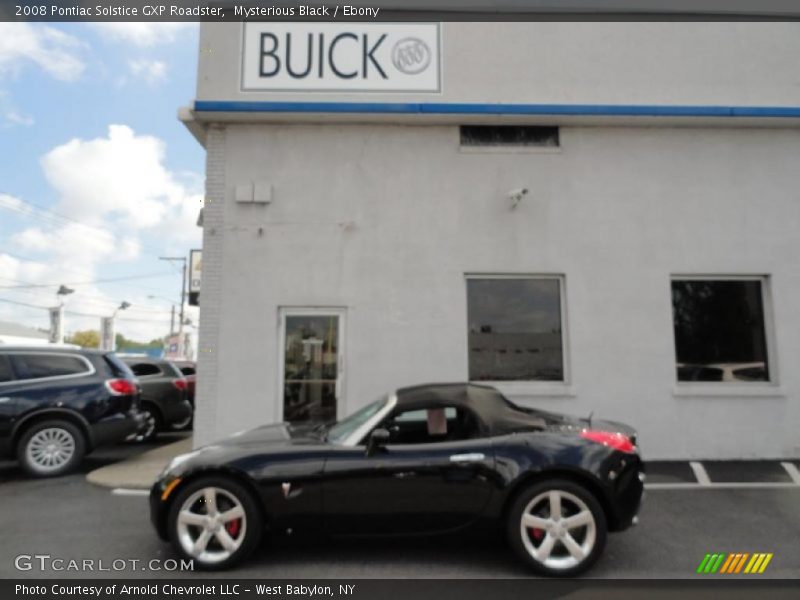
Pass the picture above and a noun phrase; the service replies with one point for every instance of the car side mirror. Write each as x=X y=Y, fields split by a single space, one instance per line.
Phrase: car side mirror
x=377 y=441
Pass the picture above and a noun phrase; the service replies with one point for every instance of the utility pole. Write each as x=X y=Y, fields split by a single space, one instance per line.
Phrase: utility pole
x=182 y=259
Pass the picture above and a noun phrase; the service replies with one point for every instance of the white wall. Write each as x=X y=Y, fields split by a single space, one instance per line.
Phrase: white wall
x=387 y=220
x=741 y=64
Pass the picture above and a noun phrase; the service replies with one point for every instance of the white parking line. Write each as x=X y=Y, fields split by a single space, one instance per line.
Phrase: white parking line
x=129 y=492
x=792 y=471
x=700 y=473
x=743 y=485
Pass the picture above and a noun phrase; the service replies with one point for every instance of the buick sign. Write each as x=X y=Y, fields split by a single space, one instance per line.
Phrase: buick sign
x=333 y=57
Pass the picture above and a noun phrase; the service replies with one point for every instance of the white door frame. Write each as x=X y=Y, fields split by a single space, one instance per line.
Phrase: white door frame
x=311 y=311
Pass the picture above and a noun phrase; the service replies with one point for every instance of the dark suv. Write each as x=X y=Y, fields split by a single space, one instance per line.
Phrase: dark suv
x=164 y=401
x=58 y=404
x=189 y=370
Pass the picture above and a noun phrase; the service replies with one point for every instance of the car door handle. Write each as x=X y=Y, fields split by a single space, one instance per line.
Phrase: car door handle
x=467 y=458
x=5 y=399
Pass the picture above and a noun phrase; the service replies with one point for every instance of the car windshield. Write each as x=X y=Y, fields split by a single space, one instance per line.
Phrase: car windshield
x=338 y=432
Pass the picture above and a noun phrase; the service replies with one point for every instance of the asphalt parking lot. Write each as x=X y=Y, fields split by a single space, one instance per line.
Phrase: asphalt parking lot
x=743 y=507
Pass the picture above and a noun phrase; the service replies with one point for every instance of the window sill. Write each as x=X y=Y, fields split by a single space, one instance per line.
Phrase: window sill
x=510 y=149
x=534 y=389
x=726 y=390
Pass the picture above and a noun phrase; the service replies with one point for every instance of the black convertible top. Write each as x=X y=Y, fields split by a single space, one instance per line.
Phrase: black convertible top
x=498 y=415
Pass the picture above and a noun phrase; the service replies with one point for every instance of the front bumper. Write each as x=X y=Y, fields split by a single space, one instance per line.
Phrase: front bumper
x=159 y=509
x=627 y=491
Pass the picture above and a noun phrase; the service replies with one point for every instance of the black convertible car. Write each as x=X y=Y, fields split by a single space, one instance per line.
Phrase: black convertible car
x=426 y=459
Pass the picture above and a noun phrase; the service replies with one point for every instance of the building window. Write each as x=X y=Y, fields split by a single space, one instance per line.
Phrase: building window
x=515 y=329
x=509 y=135
x=720 y=334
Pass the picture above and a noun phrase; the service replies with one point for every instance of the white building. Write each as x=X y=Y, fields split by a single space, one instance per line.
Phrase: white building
x=594 y=216
x=15 y=334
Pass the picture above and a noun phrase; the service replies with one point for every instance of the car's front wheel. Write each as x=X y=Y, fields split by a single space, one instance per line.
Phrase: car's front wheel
x=557 y=527
x=216 y=522
x=51 y=448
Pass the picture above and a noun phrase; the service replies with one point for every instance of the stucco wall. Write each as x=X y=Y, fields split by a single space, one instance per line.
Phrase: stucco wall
x=387 y=220
x=741 y=64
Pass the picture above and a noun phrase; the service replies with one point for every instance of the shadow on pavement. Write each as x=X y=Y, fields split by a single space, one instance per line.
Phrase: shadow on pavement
x=104 y=456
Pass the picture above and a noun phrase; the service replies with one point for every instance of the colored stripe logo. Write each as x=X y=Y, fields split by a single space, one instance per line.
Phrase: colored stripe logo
x=734 y=563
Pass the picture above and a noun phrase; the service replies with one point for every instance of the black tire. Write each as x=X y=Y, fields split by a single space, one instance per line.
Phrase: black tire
x=151 y=413
x=250 y=529
x=34 y=451
x=185 y=426
x=587 y=540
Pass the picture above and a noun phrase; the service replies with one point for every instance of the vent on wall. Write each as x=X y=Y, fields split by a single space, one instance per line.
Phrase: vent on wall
x=509 y=135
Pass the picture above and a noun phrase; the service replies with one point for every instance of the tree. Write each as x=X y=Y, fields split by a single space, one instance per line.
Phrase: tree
x=125 y=343
x=89 y=338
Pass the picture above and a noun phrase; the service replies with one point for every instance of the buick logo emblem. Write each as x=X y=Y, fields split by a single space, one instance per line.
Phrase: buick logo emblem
x=411 y=56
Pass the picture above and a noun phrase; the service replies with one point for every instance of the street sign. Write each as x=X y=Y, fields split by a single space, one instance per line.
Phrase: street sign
x=195 y=268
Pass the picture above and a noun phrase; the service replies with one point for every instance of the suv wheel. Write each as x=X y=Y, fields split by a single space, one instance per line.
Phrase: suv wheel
x=51 y=448
x=557 y=527
x=184 y=424
x=152 y=424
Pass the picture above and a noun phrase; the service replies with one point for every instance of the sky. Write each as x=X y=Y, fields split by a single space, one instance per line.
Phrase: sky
x=98 y=178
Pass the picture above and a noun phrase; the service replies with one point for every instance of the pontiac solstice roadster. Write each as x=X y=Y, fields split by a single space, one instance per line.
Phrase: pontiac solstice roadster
x=423 y=460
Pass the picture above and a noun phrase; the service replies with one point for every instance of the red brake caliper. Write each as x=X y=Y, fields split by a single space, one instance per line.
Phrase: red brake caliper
x=232 y=527
x=536 y=534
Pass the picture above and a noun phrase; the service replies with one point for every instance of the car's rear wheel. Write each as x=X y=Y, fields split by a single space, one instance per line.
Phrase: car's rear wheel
x=51 y=448
x=184 y=424
x=216 y=522
x=557 y=527
x=152 y=424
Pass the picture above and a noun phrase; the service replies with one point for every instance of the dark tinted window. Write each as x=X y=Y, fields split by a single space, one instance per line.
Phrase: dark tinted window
x=719 y=330
x=34 y=366
x=6 y=373
x=187 y=370
x=429 y=425
x=508 y=135
x=144 y=369
x=515 y=329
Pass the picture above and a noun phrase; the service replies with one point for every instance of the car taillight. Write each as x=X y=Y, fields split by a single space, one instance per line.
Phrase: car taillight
x=121 y=387
x=180 y=383
x=612 y=439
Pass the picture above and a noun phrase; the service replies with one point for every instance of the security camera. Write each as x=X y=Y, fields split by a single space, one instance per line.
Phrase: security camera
x=516 y=195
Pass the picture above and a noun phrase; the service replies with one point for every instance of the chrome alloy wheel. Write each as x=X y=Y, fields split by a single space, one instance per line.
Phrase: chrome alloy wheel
x=149 y=426
x=211 y=525
x=558 y=530
x=50 y=449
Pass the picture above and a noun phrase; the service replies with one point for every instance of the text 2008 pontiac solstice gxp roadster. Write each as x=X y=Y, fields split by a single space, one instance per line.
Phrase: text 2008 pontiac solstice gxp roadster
x=425 y=459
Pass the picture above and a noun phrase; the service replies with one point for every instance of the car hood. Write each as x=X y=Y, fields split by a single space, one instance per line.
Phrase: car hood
x=275 y=438
x=279 y=434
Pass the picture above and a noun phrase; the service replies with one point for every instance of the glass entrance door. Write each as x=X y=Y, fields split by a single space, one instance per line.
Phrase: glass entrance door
x=311 y=365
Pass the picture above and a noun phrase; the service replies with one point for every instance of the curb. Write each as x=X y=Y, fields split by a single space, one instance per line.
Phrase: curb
x=138 y=472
